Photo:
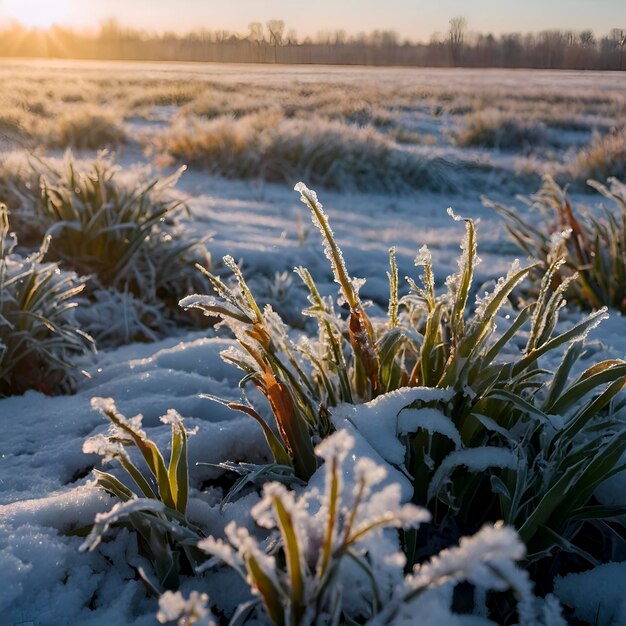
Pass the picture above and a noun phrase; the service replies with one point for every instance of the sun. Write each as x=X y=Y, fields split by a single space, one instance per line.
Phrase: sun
x=35 y=13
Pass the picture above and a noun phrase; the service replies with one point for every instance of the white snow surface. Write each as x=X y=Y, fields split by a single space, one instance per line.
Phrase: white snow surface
x=597 y=596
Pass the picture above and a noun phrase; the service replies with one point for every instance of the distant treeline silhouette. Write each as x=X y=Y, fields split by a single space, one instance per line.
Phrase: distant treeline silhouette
x=272 y=43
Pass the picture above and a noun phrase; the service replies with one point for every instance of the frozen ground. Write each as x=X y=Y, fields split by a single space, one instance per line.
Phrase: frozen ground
x=46 y=492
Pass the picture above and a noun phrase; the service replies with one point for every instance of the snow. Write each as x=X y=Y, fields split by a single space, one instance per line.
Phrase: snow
x=383 y=419
x=475 y=460
x=46 y=490
x=597 y=595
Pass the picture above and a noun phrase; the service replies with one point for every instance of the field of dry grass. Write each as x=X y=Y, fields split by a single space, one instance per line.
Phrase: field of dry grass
x=235 y=123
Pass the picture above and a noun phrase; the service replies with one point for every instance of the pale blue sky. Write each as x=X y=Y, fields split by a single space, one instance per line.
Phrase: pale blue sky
x=415 y=19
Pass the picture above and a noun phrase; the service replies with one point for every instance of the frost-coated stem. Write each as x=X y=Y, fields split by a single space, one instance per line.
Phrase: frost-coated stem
x=333 y=252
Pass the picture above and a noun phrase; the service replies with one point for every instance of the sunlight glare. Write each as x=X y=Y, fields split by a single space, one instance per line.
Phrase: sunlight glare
x=35 y=13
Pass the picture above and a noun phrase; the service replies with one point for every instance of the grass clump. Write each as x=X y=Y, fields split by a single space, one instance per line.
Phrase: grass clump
x=499 y=414
x=605 y=156
x=39 y=340
x=85 y=127
x=16 y=124
x=495 y=129
x=331 y=542
x=176 y=94
x=330 y=153
x=157 y=508
x=324 y=543
x=214 y=103
x=125 y=235
x=593 y=243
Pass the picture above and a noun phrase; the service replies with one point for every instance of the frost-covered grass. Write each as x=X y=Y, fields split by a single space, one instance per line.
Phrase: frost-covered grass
x=85 y=126
x=81 y=125
x=332 y=558
x=467 y=411
x=553 y=113
x=334 y=549
x=167 y=94
x=39 y=341
x=485 y=405
x=605 y=156
x=593 y=243
x=124 y=235
x=503 y=131
x=157 y=512
x=268 y=146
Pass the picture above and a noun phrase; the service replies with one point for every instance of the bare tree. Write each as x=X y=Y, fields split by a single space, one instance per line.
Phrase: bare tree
x=456 y=35
x=255 y=32
x=618 y=35
x=275 y=28
x=587 y=39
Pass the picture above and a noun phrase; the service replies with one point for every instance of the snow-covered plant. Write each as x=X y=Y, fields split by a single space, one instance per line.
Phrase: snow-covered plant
x=269 y=360
x=157 y=507
x=594 y=247
x=124 y=234
x=336 y=561
x=427 y=340
x=503 y=410
x=487 y=561
x=39 y=339
x=307 y=582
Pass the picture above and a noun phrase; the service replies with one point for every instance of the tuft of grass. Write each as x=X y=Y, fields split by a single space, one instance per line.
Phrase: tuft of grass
x=593 y=243
x=39 y=339
x=176 y=94
x=124 y=235
x=327 y=543
x=304 y=584
x=605 y=156
x=157 y=508
x=16 y=124
x=496 y=129
x=85 y=127
x=215 y=103
x=510 y=417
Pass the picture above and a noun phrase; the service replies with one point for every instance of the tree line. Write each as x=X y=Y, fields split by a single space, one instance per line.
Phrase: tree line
x=274 y=43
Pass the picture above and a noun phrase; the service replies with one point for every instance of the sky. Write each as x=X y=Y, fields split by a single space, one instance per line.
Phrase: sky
x=412 y=19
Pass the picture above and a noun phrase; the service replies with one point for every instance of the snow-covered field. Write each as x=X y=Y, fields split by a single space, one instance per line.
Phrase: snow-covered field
x=48 y=495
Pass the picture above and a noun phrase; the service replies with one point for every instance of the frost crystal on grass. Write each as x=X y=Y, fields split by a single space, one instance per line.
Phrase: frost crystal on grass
x=478 y=559
x=106 y=407
x=316 y=532
x=349 y=287
x=513 y=277
x=192 y=611
x=103 y=446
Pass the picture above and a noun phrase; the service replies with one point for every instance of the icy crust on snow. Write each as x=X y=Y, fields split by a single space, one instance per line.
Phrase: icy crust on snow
x=47 y=493
x=42 y=438
x=597 y=596
x=380 y=421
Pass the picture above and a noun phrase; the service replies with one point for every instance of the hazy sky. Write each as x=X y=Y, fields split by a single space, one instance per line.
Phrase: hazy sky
x=415 y=19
